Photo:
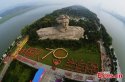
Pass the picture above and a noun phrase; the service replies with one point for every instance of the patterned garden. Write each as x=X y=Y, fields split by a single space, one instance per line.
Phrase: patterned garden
x=84 y=60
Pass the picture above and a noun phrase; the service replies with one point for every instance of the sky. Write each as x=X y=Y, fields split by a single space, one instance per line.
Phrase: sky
x=116 y=6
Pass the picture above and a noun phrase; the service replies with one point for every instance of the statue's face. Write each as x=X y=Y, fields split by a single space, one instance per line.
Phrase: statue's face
x=63 y=24
x=64 y=21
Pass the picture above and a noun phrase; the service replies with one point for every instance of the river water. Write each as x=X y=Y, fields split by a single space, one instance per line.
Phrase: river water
x=11 y=29
x=116 y=29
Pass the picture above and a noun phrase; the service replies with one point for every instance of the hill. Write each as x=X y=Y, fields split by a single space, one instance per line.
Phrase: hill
x=78 y=49
x=80 y=16
x=8 y=14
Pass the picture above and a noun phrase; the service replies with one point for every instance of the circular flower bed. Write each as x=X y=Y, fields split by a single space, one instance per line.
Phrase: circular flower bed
x=60 y=53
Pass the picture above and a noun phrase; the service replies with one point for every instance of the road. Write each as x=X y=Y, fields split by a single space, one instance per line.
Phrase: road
x=5 y=68
x=105 y=68
x=20 y=46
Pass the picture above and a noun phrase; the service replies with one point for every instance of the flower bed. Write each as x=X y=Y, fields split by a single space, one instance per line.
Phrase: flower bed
x=60 y=53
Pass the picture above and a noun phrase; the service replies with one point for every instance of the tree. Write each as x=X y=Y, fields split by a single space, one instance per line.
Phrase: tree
x=25 y=30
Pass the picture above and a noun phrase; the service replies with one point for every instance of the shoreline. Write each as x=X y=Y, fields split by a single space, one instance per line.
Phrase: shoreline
x=118 y=67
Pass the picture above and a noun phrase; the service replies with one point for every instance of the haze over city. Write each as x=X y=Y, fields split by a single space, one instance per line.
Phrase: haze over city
x=116 y=6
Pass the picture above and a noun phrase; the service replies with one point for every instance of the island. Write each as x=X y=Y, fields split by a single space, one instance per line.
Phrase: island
x=68 y=45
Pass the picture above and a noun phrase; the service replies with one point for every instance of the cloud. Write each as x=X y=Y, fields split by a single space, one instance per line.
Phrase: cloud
x=6 y=4
x=116 y=6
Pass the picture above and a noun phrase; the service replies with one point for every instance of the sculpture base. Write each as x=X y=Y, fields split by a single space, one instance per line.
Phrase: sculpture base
x=72 y=33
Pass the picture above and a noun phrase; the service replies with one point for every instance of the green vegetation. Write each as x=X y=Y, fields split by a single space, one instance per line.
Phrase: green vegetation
x=81 y=49
x=91 y=24
x=105 y=36
x=1 y=67
x=87 y=50
x=110 y=52
x=77 y=11
x=88 y=53
x=19 y=72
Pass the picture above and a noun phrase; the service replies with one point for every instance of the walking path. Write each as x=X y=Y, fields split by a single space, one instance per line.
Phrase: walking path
x=13 y=55
x=5 y=69
x=104 y=58
x=50 y=74
x=20 y=46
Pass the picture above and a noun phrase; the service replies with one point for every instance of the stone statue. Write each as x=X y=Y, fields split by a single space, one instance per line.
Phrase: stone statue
x=63 y=20
x=61 y=32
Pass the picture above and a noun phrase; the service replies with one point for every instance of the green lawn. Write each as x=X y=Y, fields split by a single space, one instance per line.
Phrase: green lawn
x=19 y=72
x=89 y=53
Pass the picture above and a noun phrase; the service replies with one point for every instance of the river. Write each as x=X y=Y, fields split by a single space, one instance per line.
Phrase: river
x=116 y=29
x=10 y=29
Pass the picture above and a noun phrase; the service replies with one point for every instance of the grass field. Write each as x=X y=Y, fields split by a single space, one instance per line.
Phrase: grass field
x=19 y=72
x=89 y=53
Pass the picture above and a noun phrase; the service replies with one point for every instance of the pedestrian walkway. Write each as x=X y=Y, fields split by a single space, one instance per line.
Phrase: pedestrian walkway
x=106 y=61
x=20 y=46
x=5 y=69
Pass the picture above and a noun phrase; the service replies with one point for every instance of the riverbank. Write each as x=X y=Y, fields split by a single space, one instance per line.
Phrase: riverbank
x=116 y=29
x=118 y=66
x=11 y=29
x=11 y=56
